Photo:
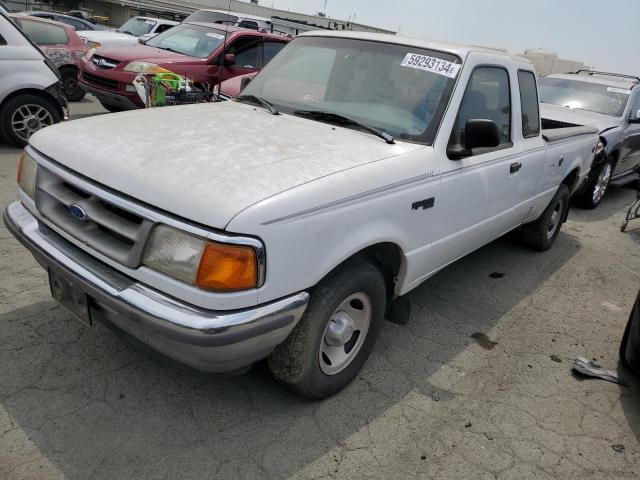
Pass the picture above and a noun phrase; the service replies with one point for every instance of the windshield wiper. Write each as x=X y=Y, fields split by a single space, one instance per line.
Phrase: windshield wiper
x=254 y=99
x=342 y=119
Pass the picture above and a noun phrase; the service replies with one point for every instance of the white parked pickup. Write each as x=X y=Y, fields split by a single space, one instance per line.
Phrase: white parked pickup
x=287 y=224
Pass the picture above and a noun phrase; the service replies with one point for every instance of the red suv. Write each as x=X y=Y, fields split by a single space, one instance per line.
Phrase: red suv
x=199 y=51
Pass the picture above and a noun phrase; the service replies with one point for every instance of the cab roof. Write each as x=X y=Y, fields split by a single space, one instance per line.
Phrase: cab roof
x=456 y=49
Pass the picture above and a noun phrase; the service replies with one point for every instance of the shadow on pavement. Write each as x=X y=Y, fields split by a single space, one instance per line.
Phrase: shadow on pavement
x=98 y=408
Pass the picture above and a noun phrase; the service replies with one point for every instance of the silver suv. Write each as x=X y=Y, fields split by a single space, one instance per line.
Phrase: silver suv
x=30 y=88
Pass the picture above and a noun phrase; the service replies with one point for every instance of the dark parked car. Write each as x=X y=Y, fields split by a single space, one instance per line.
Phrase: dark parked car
x=78 y=24
x=630 y=346
x=610 y=102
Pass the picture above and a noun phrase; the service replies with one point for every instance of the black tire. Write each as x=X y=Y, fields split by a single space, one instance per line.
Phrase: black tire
x=591 y=195
x=70 y=85
x=111 y=108
x=542 y=233
x=624 y=342
x=296 y=363
x=12 y=108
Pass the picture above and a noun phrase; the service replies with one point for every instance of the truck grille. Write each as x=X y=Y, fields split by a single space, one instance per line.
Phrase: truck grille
x=102 y=82
x=104 y=63
x=116 y=233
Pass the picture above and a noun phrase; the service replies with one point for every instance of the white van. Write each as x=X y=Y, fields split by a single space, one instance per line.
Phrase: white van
x=30 y=87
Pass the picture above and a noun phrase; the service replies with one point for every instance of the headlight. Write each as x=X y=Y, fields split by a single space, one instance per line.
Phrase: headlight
x=206 y=264
x=143 y=67
x=27 y=168
x=91 y=44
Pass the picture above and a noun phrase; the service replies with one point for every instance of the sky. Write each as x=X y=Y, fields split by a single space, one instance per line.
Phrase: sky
x=605 y=35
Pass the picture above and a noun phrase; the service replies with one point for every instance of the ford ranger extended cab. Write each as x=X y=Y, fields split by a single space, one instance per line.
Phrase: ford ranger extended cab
x=287 y=223
x=609 y=102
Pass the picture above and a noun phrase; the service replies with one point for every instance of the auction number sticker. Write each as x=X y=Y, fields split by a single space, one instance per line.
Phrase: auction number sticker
x=215 y=35
x=431 y=64
x=619 y=90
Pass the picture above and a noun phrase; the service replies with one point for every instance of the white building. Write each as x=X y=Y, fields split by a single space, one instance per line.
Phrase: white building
x=547 y=62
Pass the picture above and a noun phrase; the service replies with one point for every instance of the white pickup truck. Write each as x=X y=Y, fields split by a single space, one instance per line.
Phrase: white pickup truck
x=286 y=224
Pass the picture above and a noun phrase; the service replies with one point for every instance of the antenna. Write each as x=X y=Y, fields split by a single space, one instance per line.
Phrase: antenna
x=224 y=52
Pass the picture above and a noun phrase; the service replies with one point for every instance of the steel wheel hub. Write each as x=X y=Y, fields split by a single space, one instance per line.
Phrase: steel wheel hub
x=554 y=221
x=345 y=333
x=602 y=183
x=28 y=119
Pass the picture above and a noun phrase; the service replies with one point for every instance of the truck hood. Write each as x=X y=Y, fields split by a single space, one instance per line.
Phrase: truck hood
x=108 y=37
x=578 y=117
x=208 y=162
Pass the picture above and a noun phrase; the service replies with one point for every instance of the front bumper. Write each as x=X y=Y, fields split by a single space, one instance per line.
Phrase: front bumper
x=212 y=341
x=107 y=97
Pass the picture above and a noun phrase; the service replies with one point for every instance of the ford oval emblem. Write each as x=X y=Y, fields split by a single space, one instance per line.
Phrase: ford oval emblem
x=78 y=212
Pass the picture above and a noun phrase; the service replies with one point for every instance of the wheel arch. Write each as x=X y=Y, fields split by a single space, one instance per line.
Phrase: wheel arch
x=32 y=91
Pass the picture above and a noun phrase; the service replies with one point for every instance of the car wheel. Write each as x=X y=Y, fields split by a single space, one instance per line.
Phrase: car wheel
x=70 y=85
x=24 y=115
x=329 y=345
x=597 y=185
x=111 y=108
x=542 y=233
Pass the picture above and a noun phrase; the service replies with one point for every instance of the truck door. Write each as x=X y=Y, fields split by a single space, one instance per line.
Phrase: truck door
x=630 y=149
x=479 y=190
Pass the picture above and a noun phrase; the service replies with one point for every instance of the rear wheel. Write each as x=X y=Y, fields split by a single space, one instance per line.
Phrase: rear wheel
x=328 y=347
x=24 y=115
x=597 y=184
x=542 y=233
x=70 y=85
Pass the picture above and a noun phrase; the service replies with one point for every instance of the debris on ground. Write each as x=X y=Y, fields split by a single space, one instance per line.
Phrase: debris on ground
x=593 y=369
x=483 y=340
x=618 y=448
x=496 y=275
x=468 y=425
x=556 y=358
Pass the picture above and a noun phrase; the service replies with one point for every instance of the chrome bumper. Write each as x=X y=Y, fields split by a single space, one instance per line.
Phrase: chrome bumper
x=212 y=341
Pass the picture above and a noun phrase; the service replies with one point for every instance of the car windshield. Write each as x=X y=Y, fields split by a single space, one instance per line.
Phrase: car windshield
x=211 y=17
x=193 y=40
x=137 y=26
x=592 y=97
x=399 y=89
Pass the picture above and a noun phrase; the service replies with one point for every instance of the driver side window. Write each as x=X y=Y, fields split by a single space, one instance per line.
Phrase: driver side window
x=487 y=97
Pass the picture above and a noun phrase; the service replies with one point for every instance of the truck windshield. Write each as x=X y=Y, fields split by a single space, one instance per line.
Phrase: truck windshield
x=401 y=90
x=137 y=26
x=592 y=97
x=193 y=40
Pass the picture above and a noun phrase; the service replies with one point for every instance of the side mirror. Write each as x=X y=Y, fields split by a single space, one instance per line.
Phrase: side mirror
x=635 y=117
x=244 y=81
x=478 y=133
x=229 y=60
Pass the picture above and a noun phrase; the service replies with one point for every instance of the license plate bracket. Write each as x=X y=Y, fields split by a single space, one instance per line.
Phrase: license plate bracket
x=70 y=297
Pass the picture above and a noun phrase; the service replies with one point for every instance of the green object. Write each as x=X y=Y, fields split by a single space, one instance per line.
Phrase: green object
x=162 y=81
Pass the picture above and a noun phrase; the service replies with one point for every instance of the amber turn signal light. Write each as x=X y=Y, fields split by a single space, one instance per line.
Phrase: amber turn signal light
x=227 y=268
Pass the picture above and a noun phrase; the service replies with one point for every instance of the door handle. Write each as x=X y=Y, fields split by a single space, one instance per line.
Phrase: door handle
x=514 y=167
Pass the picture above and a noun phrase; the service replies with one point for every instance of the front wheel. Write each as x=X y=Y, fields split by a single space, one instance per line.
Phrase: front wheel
x=597 y=184
x=328 y=347
x=24 y=115
x=70 y=85
x=542 y=233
